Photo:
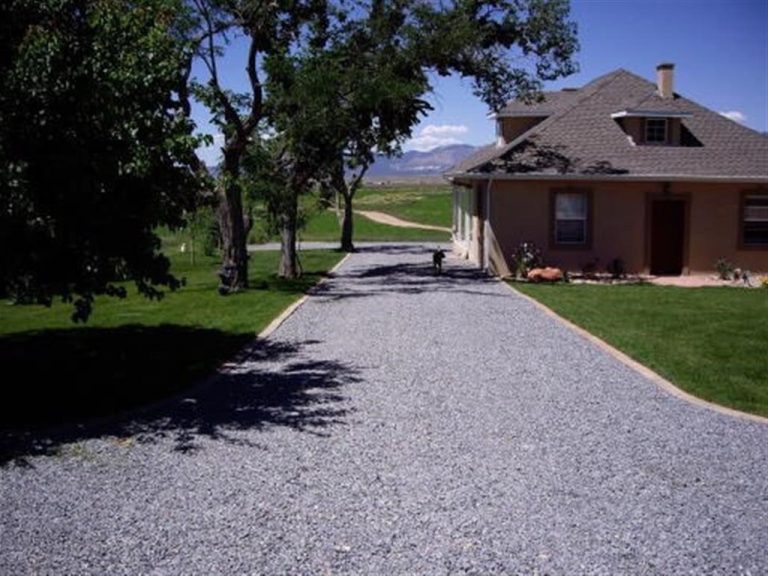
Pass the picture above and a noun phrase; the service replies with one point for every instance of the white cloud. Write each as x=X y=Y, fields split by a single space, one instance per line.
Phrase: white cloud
x=426 y=143
x=443 y=129
x=435 y=135
x=735 y=115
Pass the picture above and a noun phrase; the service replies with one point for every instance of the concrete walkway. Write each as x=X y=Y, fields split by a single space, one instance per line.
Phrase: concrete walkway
x=403 y=423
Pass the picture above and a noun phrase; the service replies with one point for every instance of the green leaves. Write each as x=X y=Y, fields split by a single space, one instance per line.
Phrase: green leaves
x=96 y=149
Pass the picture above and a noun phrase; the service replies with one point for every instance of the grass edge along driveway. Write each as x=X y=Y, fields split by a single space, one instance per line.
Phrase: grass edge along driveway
x=134 y=352
x=710 y=342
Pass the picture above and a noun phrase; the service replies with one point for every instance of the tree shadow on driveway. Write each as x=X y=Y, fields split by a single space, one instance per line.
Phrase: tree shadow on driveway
x=412 y=278
x=270 y=384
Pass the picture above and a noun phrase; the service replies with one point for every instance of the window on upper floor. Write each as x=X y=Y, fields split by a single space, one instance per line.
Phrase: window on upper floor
x=754 y=223
x=656 y=131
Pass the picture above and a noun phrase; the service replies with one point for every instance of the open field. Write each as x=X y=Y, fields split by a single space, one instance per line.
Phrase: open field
x=429 y=204
x=425 y=204
x=325 y=227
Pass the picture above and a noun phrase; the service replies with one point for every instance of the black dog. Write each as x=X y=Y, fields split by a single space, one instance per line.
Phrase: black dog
x=437 y=260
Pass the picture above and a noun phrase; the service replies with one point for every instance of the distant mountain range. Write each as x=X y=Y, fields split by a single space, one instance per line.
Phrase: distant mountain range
x=414 y=164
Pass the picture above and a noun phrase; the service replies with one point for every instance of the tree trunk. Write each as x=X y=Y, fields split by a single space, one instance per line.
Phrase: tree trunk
x=289 y=265
x=234 y=265
x=347 y=225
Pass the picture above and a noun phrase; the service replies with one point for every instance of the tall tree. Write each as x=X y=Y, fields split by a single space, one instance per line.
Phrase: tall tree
x=269 y=29
x=380 y=86
x=303 y=91
x=94 y=149
x=339 y=78
x=362 y=92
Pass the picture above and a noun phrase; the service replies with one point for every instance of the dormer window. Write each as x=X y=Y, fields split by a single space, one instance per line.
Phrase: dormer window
x=655 y=127
x=656 y=131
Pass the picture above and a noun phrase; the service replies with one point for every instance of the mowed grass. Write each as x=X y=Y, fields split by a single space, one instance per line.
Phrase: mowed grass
x=325 y=227
x=711 y=342
x=426 y=203
x=135 y=351
x=420 y=203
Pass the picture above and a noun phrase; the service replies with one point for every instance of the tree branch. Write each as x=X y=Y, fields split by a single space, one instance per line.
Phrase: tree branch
x=257 y=97
x=357 y=180
x=230 y=113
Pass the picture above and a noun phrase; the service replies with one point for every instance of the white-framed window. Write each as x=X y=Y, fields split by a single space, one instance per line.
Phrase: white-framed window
x=656 y=130
x=462 y=216
x=754 y=225
x=571 y=218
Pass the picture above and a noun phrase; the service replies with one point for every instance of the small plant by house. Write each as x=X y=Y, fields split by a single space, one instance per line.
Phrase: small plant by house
x=724 y=269
x=527 y=256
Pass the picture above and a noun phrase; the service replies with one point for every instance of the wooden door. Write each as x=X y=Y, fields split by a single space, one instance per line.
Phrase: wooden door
x=667 y=237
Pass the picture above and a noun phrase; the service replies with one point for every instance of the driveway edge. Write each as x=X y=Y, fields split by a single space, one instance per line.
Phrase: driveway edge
x=285 y=314
x=622 y=357
x=196 y=387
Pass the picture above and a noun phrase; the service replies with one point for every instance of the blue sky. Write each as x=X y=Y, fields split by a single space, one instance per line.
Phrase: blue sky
x=719 y=48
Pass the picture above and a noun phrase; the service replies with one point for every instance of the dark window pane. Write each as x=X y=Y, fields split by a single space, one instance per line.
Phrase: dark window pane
x=656 y=130
x=756 y=208
x=570 y=231
x=756 y=233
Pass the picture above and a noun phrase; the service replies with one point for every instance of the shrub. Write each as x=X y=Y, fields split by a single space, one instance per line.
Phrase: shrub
x=526 y=257
x=724 y=269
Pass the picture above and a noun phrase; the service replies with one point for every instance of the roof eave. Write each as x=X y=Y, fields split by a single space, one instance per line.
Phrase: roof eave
x=523 y=114
x=650 y=114
x=611 y=178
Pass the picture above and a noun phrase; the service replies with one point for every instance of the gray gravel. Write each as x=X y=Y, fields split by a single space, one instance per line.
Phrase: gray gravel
x=314 y=245
x=402 y=423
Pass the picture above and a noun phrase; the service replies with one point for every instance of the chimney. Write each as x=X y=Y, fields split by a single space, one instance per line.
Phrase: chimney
x=665 y=80
x=500 y=140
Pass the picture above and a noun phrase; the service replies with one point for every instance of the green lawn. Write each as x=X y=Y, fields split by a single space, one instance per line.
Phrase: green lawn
x=711 y=342
x=425 y=204
x=134 y=351
x=325 y=227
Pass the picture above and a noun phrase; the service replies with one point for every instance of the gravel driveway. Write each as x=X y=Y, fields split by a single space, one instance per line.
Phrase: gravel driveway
x=402 y=423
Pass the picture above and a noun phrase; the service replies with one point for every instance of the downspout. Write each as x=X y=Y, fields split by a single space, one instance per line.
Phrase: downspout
x=487 y=228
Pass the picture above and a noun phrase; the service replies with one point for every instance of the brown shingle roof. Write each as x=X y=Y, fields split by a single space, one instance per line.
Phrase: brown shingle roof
x=581 y=137
x=551 y=103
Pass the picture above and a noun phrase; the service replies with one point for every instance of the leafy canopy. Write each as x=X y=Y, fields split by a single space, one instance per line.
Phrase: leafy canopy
x=94 y=148
x=357 y=86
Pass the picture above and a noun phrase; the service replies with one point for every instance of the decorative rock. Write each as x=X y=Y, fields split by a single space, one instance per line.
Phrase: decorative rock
x=545 y=275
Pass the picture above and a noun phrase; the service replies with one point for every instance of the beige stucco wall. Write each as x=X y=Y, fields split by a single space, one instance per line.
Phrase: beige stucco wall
x=520 y=211
x=715 y=215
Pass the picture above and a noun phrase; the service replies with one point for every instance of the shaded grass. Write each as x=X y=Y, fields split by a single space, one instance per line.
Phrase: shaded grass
x=711 y=342
x=136 y=351
x=64 y=375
